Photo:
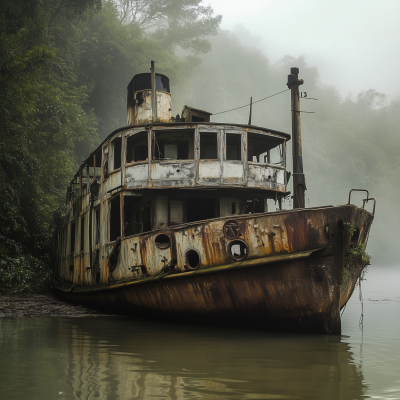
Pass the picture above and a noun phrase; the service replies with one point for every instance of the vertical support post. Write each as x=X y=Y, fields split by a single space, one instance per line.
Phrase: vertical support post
x=153 y=93
x=149 y=154
x=299 y=184
x=284 y=154
x=251 y=109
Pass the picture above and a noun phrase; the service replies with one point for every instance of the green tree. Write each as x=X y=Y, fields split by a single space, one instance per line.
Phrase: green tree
x=43 y=127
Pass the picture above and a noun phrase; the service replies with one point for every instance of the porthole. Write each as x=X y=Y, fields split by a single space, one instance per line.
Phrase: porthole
x=162 y=241
x=231 y=229
x=192 y=259
x=238 y=250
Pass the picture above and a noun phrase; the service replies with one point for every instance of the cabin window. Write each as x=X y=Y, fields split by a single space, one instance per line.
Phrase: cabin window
x=85 y=178
x=137 y=147
x=173 y=145
x=72 y=237
x=176 y=212
x=199 y=209
x=132 y=223
x=82 y=234
x=198 y=119
x=208 y=145
x=115 y=219
x=233 y=146
x=171 y=151
x=137 y=215
x=95 y=170
x=116 y=146
x=254 y=206
x=97 y=227
x=145 y=217
x=264 y=149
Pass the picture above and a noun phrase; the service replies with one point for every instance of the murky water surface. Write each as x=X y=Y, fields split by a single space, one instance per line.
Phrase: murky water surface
x=124 y=358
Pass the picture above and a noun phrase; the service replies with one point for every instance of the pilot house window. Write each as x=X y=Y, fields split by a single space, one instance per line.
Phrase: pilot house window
x=208 y=145
x=116 y=145
x=233 y=146
x=136 y=147
x=258 y=147
x=173 y=145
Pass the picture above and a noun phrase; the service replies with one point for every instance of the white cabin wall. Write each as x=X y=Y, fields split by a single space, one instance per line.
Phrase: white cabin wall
x=225 y=206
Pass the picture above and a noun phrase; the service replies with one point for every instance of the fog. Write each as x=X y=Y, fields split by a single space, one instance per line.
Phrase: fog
x=351 y=141
x=353 y=43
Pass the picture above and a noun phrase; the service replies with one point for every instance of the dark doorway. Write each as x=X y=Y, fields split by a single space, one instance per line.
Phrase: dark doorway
x=115 y=219
x=254 y=206
x=201 y=208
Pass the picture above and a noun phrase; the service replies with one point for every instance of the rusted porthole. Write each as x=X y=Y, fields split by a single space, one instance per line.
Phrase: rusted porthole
x=231 y=229
x=192 y=259
x=162 y=241
x=238 y=250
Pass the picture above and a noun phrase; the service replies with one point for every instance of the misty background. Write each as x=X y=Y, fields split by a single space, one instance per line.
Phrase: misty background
x=65 y=66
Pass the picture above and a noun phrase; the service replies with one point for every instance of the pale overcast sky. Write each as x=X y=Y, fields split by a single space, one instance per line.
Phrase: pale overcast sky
x=355 y=44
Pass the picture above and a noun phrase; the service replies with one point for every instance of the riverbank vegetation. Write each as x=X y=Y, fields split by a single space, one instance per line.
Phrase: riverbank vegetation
x=64 y=68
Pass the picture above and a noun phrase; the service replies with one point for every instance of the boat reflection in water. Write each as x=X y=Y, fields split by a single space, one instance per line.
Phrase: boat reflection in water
x=133 y=359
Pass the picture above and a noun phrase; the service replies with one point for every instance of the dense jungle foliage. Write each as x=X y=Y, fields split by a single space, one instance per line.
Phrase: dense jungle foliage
x=64 y=68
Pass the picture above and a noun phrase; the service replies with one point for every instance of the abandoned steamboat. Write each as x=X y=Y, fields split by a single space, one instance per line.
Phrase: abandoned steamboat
x=169 y=218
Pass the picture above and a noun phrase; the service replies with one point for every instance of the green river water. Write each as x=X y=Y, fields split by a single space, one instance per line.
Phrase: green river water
x=126 y=358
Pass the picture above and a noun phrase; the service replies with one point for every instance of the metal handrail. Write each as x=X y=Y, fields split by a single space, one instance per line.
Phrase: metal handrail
x=357 y=190
x=364 y=200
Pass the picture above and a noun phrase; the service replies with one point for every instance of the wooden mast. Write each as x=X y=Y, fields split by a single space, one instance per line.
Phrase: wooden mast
x=299 y=183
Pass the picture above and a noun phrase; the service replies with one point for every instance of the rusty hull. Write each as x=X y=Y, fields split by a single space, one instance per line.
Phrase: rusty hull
x=291 y=278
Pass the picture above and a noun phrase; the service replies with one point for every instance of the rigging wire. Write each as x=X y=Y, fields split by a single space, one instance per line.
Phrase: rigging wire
x=254 y=102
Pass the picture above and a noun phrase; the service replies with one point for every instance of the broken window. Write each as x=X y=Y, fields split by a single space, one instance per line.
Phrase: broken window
x=264 y=149
x=199 y=208
x=115 y=219
x=72 y=237
x=96 y=227
x=85 y=177
x=233 y=146
x=116 y=146
x=82 y=234
x=145 y=217
x=137 y=215
x=94 y=165
x=173 y=145
x=136 y=147
x=208 y=145
x=254 y=206
x=132 y=223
